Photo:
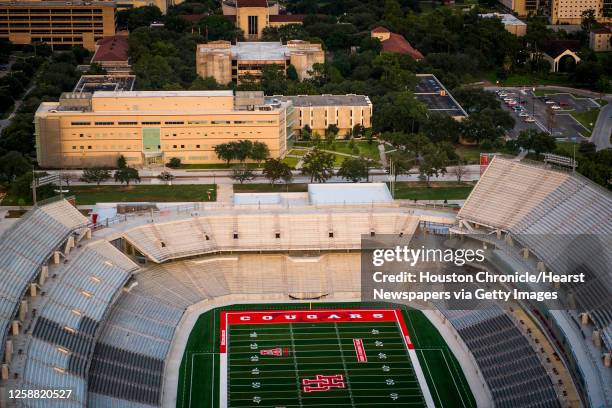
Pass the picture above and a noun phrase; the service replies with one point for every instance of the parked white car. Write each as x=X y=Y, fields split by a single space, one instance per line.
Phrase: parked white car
x=555 y=107
x=529 y=119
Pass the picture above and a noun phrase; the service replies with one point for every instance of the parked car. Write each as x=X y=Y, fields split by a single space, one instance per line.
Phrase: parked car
x=563 y=103
x=523 y=114
x=529 y=119
x=555 y=107
x=549 y=102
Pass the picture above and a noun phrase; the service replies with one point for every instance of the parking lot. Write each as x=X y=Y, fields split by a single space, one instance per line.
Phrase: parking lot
x=550 y=113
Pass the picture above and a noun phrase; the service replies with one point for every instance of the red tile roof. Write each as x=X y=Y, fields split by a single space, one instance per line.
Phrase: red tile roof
x=397 y=43
x=287 y=18
x=380 y=29
x=252 y=3
x=113 y=48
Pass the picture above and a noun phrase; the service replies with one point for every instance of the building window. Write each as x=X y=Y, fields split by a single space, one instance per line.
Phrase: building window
x=174 y=123
x=80 y=123
x=104 y=123
x=151 y=123
x=128 y=123
x=253 y=29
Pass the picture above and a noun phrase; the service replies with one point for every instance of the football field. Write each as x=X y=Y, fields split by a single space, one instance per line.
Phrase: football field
x=275 y=356
x=320 y=364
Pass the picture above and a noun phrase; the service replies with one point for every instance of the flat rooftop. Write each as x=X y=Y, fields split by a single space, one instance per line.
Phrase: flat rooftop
x=96 y=83
x=261 y=51
x=349 y=193
x=327 y=100
x=506 y=19
x=430 y=91
x=158 y=94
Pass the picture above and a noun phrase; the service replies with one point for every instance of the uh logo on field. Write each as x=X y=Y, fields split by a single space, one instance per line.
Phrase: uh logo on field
x=323 y=382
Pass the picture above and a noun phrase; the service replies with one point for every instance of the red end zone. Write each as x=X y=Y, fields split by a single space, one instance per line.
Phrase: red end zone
x=311 y=316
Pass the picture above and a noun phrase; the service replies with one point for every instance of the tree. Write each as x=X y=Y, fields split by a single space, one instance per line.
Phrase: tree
x=319 y=165
x=292 y=73
x=121 y=162
x=225 y=152
x=166 y=176
x=242 y=174
x=174 y=163
x=331 y=133
x=433 y=163
x=273 y=79
x=259 y=152
x=95 y=175
x=126 y=175
x=354 y=169
x=12 y=165
x=459 y=170
x=305 y=133
x=242 y=149
x=402 y=162
x=587 y=20
x=539 y=142
x=275 y=169
x=21 y=187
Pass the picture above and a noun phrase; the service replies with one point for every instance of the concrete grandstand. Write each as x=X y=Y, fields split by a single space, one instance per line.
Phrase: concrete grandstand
x=106 y=310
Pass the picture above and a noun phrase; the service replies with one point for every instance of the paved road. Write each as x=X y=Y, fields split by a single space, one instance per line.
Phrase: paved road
x=603 y=127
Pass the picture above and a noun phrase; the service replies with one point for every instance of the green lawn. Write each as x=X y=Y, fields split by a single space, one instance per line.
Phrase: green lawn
x=291 y=161
x=470 y=154
x=527 y=79
x=587 y=119
x=365 y=149
x=88 y=195
x=269 y=188
x=321 y=348
x=439 y=191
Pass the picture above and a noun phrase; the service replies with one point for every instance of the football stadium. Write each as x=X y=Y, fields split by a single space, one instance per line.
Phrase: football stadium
x=261 y=303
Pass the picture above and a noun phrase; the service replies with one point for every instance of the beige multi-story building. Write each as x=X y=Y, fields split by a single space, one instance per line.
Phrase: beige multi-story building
x=86 y=130
x=320 y=111
x=252 y=16
x=58 y=23
x=570 y=11
x=599 y=39
x=226 y=62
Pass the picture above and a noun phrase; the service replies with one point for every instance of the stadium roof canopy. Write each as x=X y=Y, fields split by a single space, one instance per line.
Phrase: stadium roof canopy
x=348 y=193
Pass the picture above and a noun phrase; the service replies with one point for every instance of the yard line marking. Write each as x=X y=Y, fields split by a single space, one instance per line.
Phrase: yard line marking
x=432 y=379
x=348 y=381
x=453 y=377
x=295 y=364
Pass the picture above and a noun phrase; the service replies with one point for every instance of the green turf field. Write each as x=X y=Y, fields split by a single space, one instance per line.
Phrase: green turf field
x=386 y=380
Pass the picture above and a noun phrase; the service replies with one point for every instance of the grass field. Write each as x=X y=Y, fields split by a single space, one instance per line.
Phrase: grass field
x=587 y=119
x=387 y=379
x=88 y=195
x=439 y=191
